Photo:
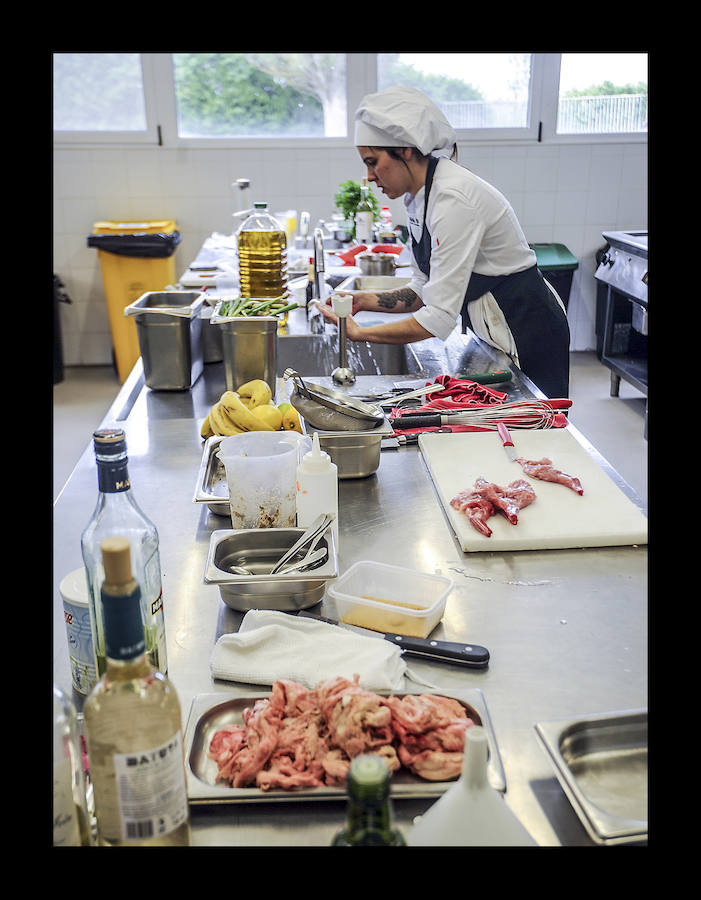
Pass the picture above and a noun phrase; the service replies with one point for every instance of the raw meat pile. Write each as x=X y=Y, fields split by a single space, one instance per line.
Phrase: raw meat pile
x=299 y=738
x=543 y=469
x=486 y=499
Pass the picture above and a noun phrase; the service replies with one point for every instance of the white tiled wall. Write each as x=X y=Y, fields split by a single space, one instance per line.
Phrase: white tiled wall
x=561 y=193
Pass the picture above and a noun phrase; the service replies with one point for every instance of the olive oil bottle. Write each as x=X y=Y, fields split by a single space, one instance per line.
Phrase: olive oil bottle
x=262 y=251
x=133 y=726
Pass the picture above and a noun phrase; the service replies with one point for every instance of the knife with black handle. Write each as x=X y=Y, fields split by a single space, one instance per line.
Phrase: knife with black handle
x=471 y=655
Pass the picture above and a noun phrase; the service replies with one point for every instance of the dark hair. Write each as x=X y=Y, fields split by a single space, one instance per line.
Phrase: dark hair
x=394 y=153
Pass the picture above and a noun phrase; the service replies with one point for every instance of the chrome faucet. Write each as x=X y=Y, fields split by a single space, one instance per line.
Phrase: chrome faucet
x=319 y=268
x=317 y=325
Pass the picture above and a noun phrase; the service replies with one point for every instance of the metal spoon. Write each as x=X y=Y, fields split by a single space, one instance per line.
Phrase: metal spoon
x=311 y=557
x=308 y=560
x=317 y=528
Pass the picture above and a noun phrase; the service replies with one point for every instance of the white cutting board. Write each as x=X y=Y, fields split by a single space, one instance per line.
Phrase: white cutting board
x=558 y=518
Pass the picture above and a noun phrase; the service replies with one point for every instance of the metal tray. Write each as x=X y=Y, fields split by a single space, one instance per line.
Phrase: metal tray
x=210 y=712
x=601 y=764
x=211 y=487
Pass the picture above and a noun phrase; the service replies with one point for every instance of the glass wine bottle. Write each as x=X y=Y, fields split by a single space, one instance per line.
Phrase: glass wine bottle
x=369 y=814
x=117 y=512
x=71 y=816
x=364 y=216
x=133 y=726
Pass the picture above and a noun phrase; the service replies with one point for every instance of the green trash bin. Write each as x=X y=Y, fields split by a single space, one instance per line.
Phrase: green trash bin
x=558 y=267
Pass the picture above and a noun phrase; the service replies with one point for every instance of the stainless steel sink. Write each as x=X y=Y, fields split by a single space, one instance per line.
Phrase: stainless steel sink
x=317 y=354
x=372 y=283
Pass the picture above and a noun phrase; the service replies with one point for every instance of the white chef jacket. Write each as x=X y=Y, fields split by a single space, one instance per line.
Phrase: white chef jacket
x=473 y=229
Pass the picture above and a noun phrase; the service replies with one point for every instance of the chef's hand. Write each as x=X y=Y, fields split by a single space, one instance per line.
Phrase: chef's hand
x=353 y=330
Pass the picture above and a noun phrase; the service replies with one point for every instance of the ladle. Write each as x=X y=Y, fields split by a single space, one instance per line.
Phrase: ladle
x=342 y=305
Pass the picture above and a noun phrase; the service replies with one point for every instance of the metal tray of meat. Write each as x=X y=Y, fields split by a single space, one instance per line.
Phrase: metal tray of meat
x=210 y=712
x=601 y=764
x=211 y=487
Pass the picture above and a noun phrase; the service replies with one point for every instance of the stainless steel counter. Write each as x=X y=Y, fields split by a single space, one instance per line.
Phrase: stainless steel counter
x=567 y=629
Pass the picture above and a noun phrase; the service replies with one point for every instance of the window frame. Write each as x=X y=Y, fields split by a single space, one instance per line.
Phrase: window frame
x=361 y=78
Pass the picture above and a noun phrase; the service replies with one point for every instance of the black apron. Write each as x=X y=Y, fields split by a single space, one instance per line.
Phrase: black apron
x=535 y=318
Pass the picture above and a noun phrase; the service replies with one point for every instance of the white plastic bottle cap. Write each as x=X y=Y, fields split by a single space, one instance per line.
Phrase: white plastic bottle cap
x=316 y=460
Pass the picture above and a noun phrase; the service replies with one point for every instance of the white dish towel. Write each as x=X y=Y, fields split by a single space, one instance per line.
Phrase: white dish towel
x=271 y=645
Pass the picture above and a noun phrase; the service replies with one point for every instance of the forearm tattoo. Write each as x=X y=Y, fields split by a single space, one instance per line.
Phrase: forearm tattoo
x=390 y=299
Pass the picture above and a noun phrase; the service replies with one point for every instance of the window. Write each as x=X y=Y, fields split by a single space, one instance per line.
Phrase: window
x=235 y=95
x=250 y=99
x=474 y=90
x=98 y=92
x=602 y=93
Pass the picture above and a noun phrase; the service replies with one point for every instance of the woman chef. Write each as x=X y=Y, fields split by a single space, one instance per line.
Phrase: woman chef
x=469 y=253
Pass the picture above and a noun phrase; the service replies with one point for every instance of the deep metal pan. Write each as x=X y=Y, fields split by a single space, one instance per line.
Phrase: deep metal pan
x=350 y=411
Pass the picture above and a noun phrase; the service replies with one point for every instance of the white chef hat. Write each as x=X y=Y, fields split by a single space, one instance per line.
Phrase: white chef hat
x=402 y=117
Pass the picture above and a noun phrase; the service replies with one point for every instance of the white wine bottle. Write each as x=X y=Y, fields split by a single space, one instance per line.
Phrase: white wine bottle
x=364 y=216
x=133 y=726
x=117 y=512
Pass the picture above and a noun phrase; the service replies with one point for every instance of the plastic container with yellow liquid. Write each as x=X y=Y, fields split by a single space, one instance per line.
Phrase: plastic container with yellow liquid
x=262 y=251
x=135 y=257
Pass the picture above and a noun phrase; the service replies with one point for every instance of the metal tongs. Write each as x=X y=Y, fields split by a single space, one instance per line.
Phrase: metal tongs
x=311 y=536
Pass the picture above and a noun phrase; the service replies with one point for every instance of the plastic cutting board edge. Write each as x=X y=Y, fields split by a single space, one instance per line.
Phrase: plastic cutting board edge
x=559 y=518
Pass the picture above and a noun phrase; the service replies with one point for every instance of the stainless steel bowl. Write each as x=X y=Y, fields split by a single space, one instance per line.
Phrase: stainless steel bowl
x=258 y=549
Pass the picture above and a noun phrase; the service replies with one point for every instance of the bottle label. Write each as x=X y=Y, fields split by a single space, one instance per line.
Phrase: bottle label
x=113 y=476
x=151 y=790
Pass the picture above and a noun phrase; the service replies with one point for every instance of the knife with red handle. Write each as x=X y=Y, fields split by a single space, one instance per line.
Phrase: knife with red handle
x=506 y=441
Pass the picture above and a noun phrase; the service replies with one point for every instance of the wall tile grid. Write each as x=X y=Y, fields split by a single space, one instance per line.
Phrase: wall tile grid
x=561 y=193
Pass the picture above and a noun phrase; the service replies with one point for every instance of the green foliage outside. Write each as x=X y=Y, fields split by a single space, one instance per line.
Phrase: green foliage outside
x=224 y=94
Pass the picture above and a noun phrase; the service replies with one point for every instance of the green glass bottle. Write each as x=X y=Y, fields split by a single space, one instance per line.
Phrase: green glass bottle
x=369 y=814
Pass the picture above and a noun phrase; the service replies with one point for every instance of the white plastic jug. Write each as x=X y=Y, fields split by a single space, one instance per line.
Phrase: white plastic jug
x=261 y=469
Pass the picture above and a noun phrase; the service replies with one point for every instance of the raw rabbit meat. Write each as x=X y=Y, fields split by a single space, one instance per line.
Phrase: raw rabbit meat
x=543 y=469
x=485 y=499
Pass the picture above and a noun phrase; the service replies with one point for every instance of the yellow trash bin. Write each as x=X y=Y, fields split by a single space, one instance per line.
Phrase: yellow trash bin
x=135 y=257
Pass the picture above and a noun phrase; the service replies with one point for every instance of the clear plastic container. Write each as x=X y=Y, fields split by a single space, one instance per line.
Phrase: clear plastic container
x=261 y=471
x=391 y=599
x=262 y=250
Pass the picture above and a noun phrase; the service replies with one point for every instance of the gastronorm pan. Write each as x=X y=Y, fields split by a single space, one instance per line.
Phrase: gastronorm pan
x=210 y=712
x=211 y=487
x=601 y=764
x=258 y=549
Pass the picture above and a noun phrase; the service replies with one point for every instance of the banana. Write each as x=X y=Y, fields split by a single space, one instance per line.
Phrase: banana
x=240 y=415
x=290 y=420
x=222 y=423
x=254 y=393
x=270 y=414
